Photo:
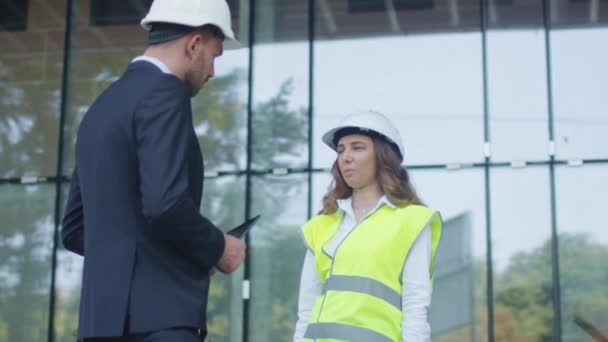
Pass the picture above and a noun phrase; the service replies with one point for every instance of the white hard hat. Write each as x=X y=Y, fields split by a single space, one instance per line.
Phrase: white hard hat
x=193 y=13
x=363 y=123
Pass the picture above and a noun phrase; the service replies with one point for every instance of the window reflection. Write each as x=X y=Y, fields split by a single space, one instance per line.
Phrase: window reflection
x=31 y=53
x=224 y=205
x=429 y=86
x=458 y=309
x=26 y=240
x=276 y=250
x=521 y=241
x=583 y=248
x=517 y=90
x=579 y=72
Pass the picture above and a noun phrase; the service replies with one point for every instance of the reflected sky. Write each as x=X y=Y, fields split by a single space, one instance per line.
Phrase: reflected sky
x=431 y=86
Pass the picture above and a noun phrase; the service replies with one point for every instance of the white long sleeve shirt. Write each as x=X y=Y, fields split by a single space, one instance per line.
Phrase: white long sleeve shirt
x=416 y=294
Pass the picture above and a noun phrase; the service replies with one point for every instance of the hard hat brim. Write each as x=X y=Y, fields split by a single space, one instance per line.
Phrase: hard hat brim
x=329 y=138
x=231 y=44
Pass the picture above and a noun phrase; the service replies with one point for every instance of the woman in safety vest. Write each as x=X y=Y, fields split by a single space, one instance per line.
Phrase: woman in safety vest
x=367 y=274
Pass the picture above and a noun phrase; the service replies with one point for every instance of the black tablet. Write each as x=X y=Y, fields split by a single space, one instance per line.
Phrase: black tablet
x=241 y=230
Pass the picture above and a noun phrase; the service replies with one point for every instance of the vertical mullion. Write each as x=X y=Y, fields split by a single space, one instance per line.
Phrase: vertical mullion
x=248 y=173
x=487 y=161
x=311 y=47
x=70 y=19
x=556 y=290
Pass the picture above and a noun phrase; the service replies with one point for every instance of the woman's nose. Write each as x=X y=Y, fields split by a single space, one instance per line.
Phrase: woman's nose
x=346 y=156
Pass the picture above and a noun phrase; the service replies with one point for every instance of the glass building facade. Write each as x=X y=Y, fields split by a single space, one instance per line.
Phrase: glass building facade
x=499 y=102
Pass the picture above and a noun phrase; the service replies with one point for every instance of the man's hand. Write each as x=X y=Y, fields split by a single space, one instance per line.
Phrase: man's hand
x=234 y=254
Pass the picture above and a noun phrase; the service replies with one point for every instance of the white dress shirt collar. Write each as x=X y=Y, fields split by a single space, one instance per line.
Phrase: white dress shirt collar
x=346 y=205
x=154 y=61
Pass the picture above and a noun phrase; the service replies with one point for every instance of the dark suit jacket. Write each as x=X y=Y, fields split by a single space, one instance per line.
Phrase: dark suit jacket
x=133 y=209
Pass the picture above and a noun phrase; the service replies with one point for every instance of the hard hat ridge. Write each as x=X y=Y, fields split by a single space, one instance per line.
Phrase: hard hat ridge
x=193 y=14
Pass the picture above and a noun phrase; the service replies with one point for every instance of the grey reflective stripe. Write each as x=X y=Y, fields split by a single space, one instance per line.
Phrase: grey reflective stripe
x=363 y=285
x=344 y=332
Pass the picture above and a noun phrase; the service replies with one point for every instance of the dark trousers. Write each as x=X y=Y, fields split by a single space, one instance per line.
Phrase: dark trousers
x=167 y=335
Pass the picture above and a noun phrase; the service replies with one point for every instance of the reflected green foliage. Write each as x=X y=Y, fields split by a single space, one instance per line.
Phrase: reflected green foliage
x=29 y=115
x=221 y=126
x=583 y=280
x=279 y=133
x=25 y=259
x=523 y=306
x=275 y=286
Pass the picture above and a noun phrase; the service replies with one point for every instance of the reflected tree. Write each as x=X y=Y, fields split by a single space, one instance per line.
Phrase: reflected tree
x=523 y=308
x=25 y=251
x=29 y=116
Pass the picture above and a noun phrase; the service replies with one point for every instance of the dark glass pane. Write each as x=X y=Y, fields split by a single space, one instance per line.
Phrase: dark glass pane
x=13 y=15
x=115 y=12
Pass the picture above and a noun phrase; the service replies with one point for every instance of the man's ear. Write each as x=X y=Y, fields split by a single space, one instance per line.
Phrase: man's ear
x=193 y=43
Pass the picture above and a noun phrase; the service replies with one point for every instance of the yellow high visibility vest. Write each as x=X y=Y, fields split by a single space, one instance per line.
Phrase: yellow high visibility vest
x=362 y=290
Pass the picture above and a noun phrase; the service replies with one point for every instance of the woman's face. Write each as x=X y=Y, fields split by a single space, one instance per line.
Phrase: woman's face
x=357 y=160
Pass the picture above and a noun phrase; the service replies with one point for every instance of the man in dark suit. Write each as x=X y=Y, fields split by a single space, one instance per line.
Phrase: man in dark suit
x=135 y=194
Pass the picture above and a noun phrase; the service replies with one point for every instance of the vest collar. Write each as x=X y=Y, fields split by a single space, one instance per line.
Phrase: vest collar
x=346 y=205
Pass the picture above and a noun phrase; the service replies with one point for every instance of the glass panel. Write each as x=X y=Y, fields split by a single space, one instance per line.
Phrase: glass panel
x=30 y=90
x=280 y=90
x=521 y=249
x=428 y=85
x=102 y=54
x=276 y=251
x=515 y=14
x=26 y=243
x=578 y=13
x=583 y=249
x=579 y=74
x=517 y=89
x=321 y=182
x=224 y=205
x=459 y=306
x=67 y=295
x=67 y=287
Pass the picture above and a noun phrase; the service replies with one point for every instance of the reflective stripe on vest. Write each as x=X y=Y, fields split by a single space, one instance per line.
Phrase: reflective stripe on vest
x=364 y=285
x=343 y=332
